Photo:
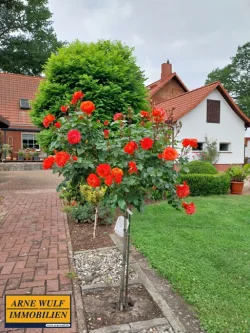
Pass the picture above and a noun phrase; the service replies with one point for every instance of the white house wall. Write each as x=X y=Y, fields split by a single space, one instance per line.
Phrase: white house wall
x=230 y=130
x=247 y=149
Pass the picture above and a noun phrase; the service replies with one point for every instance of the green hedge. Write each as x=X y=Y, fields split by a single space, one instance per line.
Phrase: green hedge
x=201 y=167
x=207 y=184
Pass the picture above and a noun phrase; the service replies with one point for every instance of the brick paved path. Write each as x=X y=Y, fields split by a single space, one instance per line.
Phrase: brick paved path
x=33 y=241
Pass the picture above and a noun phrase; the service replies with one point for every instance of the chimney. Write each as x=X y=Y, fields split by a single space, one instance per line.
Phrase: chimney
x=166 y=70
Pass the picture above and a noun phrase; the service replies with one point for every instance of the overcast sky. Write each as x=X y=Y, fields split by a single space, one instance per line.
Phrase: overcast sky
x=197 y=36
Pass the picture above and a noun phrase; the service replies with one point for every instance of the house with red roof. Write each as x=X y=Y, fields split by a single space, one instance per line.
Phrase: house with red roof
x=16 y=94
x=208 y=111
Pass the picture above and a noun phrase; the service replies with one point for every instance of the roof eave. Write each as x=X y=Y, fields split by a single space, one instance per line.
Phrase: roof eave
x=4 y=123
x=234 y=106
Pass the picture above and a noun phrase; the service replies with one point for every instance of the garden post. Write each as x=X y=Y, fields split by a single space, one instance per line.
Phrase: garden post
x=127 y=261
x=124 y=258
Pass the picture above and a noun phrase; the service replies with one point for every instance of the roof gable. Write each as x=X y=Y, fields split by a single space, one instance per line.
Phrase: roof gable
x=157 y=85
x=188 y=101
x=14 y=87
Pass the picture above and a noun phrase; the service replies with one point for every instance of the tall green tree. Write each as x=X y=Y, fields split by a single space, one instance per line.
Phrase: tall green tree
x=236 y=77
x=27 y=38
x=105 y=71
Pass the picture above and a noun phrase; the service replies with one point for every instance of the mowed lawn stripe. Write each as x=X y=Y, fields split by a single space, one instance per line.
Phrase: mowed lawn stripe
x=206 y=256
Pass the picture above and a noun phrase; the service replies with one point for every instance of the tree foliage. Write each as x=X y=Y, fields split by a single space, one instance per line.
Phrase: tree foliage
x=26 y=36
x=236 y=77
x=107 y=73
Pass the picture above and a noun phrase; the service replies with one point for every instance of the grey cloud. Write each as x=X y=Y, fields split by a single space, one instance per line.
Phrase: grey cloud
x=196 y=36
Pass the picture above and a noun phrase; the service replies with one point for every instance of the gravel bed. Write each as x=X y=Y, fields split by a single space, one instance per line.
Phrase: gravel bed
x=100 y=266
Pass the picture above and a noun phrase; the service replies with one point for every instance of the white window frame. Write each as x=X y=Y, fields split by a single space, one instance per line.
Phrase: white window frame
x=229 y=147
x=34 y=133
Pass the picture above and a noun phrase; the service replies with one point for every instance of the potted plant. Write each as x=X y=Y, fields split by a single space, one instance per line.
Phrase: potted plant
x=28 y=154
x=6 y=150
x=237 y=175
x=20 y=155
x=36 y=156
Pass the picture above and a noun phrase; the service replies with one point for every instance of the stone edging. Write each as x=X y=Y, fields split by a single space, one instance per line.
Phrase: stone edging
x=158 y=299
x=79 y=308
x=133 y=327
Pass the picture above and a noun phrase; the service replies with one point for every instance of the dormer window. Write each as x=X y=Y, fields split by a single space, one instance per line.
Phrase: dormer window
x=24 y=104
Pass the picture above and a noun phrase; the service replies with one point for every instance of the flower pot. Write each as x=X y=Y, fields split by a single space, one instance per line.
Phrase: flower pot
x=20 y=158
x=36 y=158
x=8 y=158
x=237 y=187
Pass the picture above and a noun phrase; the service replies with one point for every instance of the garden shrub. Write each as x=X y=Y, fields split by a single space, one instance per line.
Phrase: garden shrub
x=107 y=73
x=200 y=167
x=205 y=184
x=246 y=167
x=86 y=214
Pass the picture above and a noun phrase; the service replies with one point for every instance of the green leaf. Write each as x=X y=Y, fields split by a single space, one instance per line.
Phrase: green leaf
x=122 y=204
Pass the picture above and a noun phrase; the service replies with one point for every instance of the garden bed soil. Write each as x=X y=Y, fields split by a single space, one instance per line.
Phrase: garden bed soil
x=101 y=307
x=82 y=235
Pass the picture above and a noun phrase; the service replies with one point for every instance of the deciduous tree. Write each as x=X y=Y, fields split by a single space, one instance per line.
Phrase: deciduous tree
x=236 y=77
x=27 y=38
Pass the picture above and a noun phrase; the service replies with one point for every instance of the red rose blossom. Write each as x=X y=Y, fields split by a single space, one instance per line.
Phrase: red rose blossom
x=74 y=158
x=50 y=118
x=74 y=136
x=46 y=123
x=48 y=162
x=190 y=142
x=132 y=167
x=182 y=190
x=47 y=120
x=130 y=147
x=103 y=170
x=189 y=208
x=117 y=174
x=61 y=158
x=145 y=114
x=87 y=107
x=106 y=123
x=64 y=108
x=93 y=180
x=77 y=96
x=106 y=134
x=146 y=143
x=58 y=124
x=159 y=115
x=160 y=156
x=169 y=154
x=118 y=116
x=109 y=180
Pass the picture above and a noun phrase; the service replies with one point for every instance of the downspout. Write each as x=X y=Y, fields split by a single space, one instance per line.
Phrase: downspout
x=5 y=141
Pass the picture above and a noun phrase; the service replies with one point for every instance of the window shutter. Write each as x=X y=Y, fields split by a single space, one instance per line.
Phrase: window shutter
x=213 y=111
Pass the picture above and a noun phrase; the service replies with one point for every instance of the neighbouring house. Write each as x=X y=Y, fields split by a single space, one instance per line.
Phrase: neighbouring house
x=16 y=93
x=206 y=111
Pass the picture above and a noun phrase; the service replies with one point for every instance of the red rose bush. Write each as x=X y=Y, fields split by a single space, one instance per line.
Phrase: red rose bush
x=126 y=157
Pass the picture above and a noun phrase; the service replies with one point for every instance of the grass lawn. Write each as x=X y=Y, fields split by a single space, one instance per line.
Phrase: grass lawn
x=206 y=256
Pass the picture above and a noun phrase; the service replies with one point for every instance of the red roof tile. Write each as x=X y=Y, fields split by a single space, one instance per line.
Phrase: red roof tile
x=13 y=87
x=188 y=101
x=161 y=83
